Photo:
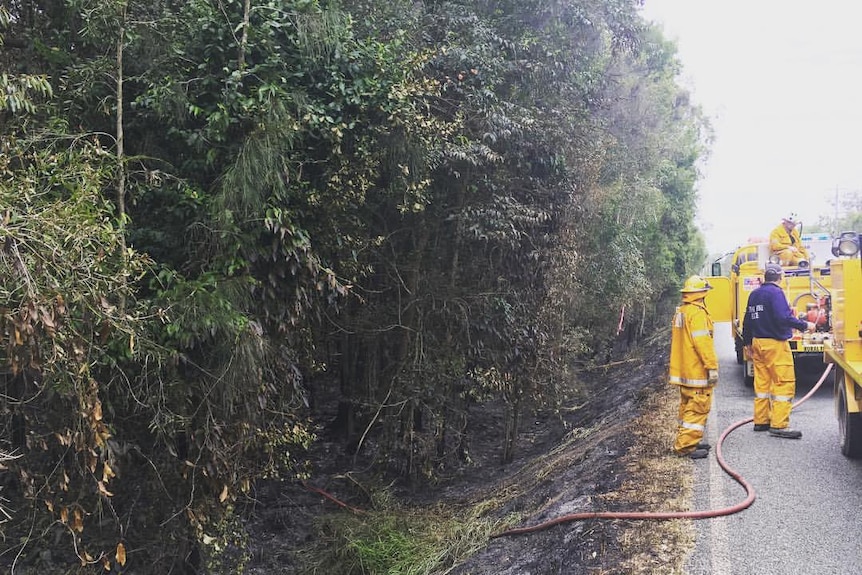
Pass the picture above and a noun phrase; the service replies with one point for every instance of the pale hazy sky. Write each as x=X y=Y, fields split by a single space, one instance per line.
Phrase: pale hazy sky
x=782 y=84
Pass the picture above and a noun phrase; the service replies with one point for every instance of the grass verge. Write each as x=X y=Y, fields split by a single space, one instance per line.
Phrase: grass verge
x=397 y=540
x=656 y=480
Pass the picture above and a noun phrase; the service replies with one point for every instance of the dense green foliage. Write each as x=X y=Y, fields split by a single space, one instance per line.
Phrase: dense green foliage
x=222 y=221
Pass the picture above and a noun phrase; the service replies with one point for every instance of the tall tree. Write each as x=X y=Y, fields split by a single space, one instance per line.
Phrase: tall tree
x=388 y=215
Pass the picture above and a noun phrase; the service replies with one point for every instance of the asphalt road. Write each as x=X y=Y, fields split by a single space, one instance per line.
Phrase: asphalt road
x=807 y=513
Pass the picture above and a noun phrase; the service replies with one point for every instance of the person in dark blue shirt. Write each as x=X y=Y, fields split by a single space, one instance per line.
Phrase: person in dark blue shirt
x=767 y=326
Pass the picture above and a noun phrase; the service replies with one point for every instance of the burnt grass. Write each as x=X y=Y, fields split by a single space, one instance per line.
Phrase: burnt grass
x=564 y=463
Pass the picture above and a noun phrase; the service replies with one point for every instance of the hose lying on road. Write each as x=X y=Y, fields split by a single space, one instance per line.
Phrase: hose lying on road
x=670 y=514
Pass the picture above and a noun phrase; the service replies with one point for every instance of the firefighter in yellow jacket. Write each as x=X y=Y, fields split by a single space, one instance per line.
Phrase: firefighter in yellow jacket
x=786 y=243
x=693 y=367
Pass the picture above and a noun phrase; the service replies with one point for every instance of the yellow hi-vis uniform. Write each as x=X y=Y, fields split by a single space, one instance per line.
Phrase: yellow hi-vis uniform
x=774 y=382
x=787 y=245
x=692 y=355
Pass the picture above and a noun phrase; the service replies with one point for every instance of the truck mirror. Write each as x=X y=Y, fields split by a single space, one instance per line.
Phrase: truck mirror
x=716 y=268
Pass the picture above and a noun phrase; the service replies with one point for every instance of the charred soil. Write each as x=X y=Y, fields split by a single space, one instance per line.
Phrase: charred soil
x=609 y=453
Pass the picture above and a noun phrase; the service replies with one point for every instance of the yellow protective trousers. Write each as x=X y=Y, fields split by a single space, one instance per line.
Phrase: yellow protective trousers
x=694 y=406
x=790 y=258
x=774 y=382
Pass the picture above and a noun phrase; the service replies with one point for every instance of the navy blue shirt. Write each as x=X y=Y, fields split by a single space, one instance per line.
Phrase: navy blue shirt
x=768 y=315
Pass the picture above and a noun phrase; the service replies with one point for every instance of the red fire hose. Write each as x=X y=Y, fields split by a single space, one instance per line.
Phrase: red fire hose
x=671 y=514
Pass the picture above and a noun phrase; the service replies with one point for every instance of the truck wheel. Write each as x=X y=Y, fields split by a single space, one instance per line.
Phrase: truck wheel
x=748 y=380
x=849 y=424
x=740 y=354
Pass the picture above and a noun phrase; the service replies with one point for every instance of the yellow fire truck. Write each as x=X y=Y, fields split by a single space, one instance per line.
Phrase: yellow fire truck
x=830 y=294
x=807 y=288
x=844 y=350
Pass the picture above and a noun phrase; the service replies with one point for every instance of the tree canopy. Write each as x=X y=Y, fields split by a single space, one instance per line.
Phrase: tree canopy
x=223 y=221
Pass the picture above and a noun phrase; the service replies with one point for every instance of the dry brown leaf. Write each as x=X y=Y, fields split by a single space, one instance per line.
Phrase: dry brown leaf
x=120 y=555
x=47 y=318
x=97 y=411
x=107 y=472
x=78 y=521
x=104 y=490
x=87 y=558
x=102 y=435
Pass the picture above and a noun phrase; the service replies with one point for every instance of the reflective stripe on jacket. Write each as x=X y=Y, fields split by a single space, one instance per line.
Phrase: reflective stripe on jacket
x=692 y=350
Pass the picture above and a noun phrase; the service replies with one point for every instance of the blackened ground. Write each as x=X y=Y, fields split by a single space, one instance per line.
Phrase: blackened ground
x=588 y=458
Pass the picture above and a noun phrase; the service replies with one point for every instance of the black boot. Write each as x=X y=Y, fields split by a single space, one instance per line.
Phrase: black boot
x=785 y=432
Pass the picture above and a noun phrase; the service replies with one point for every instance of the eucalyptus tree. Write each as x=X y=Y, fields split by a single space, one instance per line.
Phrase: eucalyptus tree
x=638 y=232
x=158 y=411
x=383 y=213
x=18 y=92
x=63 y=273
x=525 y=223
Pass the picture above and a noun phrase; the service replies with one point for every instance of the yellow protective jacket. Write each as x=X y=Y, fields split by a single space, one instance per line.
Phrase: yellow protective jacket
x=692 y=350
x=780 y=239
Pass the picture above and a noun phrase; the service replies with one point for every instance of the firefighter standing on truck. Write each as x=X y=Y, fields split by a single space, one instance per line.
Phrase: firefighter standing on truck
x=786 y=243
x=693 y=367
x=766 y=329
